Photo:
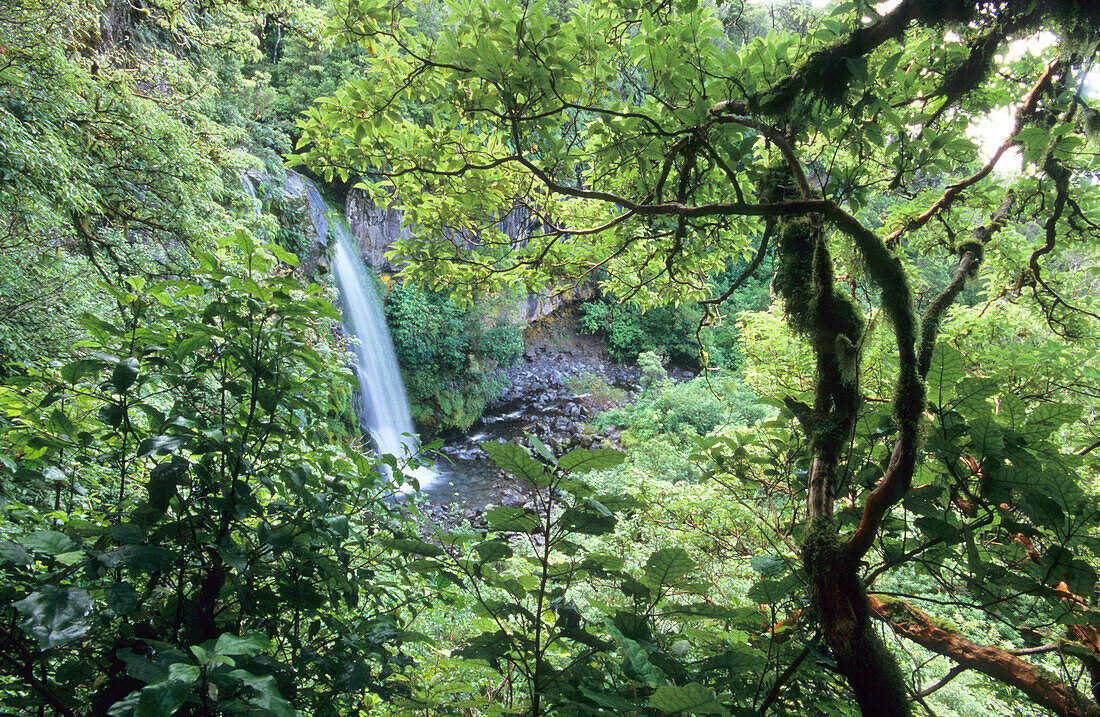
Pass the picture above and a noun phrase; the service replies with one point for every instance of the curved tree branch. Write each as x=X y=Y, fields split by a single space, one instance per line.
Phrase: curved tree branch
x=999 y=664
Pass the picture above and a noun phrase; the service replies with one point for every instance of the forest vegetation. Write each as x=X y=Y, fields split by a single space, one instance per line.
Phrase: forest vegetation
x=871 y=229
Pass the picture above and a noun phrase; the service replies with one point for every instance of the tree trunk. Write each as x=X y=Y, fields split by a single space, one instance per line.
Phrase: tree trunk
x=845 y=618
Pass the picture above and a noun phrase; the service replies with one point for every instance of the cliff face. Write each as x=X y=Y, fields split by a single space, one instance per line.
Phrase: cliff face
x=377 y=227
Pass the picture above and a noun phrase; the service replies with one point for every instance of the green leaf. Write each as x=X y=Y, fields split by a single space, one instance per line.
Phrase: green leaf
x=667 y=566
x=770 y=566
x=159 y=445
x=267 y=695
x=1011 y=410
x=738 y=660
x=513 y=519
x=126 y=533
x=55 y=615
x=514 y=459
x=412 y=546
x=111 y=414
x=167 y=695
x=250 y=643
x=946 y=371
x=13 y=553
x=493 y=551
x=121 y=597
x=1049 y=417
x=282 y=254
x=163 y=480
x=972 y=394
x=588 y=521
x=690 y=699
x=706 y=609
x=986 y=437
x=539 y=447
x=139 y=558
x=74 y=371
x=125 y=373
x=936 y=528
x=583 y=460
x=49 y=542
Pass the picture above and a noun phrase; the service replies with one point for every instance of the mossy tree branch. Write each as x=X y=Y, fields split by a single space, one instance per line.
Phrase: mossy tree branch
x=1040 y=686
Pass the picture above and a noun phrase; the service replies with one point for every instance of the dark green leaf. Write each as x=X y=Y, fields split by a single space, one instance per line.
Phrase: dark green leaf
x=515 y=460
x=588 y=522
x=111 y=415
x=126 y=533
x=49 y=542
x=513 y=519
x=667 y=566
x=13 y=553
x=157 y=445
x=54 y=616
x=125 y=373
x=493 y=551
x=986 y=437
x=122 y=598
x=412 y=546
x=770 y=566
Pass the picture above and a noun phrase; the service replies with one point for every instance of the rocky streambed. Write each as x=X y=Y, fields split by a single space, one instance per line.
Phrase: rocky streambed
x=545 y=399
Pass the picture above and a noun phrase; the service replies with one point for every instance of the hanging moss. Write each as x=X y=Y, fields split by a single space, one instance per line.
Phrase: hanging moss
x=794 y=272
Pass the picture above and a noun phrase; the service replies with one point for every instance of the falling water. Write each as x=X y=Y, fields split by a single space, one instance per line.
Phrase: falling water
x=384 y=407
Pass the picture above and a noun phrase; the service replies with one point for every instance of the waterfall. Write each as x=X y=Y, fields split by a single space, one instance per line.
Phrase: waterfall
x=384 y=408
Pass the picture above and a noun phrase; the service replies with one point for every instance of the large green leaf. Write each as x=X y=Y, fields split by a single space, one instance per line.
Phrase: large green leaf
x=166 y=696
x=55 y=615
x=49 y=542
x=158 y=445
x=946 y=371
x=13 y=553
x=588 y=521
x=506 y=517
x=690 y=699
x=986 y=437
x=492 y=551
x=514 y=459
x=770 y=566
x=972 y=394
x=121 y=598
x=250 y=643
x=583 y=460
x=666 y=566
x=1049 y=417
x=124 y=374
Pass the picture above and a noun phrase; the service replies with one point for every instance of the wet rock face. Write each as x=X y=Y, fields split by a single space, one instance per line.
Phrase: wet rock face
x=376 y=228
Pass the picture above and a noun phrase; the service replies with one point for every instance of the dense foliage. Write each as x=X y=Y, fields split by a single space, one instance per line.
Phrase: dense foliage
x=889 y=507
x=451 y=358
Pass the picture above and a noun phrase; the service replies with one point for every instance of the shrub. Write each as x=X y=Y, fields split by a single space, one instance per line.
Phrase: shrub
x=653 y=369
x=595 y=392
